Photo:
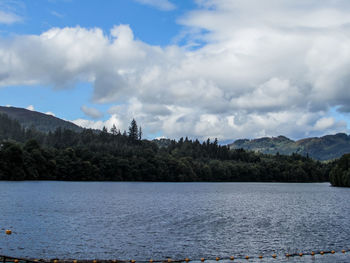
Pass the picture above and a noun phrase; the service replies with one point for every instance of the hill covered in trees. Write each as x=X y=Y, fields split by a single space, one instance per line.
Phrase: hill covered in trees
x=42 y=122
x=328 y=147
x=28 y=154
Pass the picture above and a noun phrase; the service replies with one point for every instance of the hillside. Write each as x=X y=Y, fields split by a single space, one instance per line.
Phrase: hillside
x=42 y=122
x=323 y=148
x=89 y=156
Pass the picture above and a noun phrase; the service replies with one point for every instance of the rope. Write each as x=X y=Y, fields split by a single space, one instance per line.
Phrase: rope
x=5 y=259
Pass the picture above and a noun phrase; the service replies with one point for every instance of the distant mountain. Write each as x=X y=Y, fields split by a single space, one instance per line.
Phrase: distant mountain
x=323 y=148
x=42 y=122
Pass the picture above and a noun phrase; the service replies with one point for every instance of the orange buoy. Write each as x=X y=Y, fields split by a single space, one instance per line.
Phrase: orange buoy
x=151 y=261
x=332 y=251
x=300 y=254
x=287 y=255
x=274 y=255
x=75 y=261
x=8 y=232
x=312 y=253
x=169 y=260
x=55 y=261
x=321 y=252
x=217 y=258
x=202 y=259
x=187 y=259
x=232 y=258
x=16 y=261
x=260 y=256
x=246 y=257
x=343 y=251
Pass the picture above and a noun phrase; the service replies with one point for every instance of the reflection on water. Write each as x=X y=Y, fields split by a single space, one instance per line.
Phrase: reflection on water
x=177 y=220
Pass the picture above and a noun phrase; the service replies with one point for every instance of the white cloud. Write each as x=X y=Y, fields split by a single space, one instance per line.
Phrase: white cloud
x=30 y=107
x=258 y=72
x=57 y=14
x=89 y=124
x=91 y=112
x=113 y=120
x=9 y=18
x=164 y=5
x=324 y=123
x=50 y=113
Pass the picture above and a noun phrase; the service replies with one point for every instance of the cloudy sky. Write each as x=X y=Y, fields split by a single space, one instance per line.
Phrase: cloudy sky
x=199 y=68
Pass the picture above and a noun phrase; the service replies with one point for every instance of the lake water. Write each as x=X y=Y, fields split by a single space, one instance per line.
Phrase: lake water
x=158 y=220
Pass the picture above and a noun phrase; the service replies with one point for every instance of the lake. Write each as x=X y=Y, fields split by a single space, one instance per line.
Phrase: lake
x=108 y=220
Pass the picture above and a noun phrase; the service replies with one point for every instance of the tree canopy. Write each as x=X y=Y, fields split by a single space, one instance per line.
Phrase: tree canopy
x=26 y=154
x=340 y=174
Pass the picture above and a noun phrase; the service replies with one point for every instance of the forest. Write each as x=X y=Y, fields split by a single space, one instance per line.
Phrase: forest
x=91 y=155
x=340 y=174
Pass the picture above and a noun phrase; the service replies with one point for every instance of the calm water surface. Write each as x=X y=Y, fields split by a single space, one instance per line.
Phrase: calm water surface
x=177 y=220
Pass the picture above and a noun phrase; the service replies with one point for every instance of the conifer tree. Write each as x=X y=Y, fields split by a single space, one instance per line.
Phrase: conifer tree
x=114 y=130
x=133 y=131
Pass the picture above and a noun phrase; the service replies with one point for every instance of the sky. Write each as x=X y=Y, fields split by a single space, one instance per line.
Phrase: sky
x=225 y=69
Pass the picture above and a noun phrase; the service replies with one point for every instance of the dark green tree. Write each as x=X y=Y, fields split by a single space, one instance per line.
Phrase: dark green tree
x=114 y=130
x=133 y=131
x=340 y=174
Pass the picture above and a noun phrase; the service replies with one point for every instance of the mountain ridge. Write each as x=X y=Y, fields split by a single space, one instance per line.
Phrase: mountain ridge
x=322 y=148
x=41 y=121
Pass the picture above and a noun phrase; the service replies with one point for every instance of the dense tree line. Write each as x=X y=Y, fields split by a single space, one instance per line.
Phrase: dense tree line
x=340 y=174
x=26 y=154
